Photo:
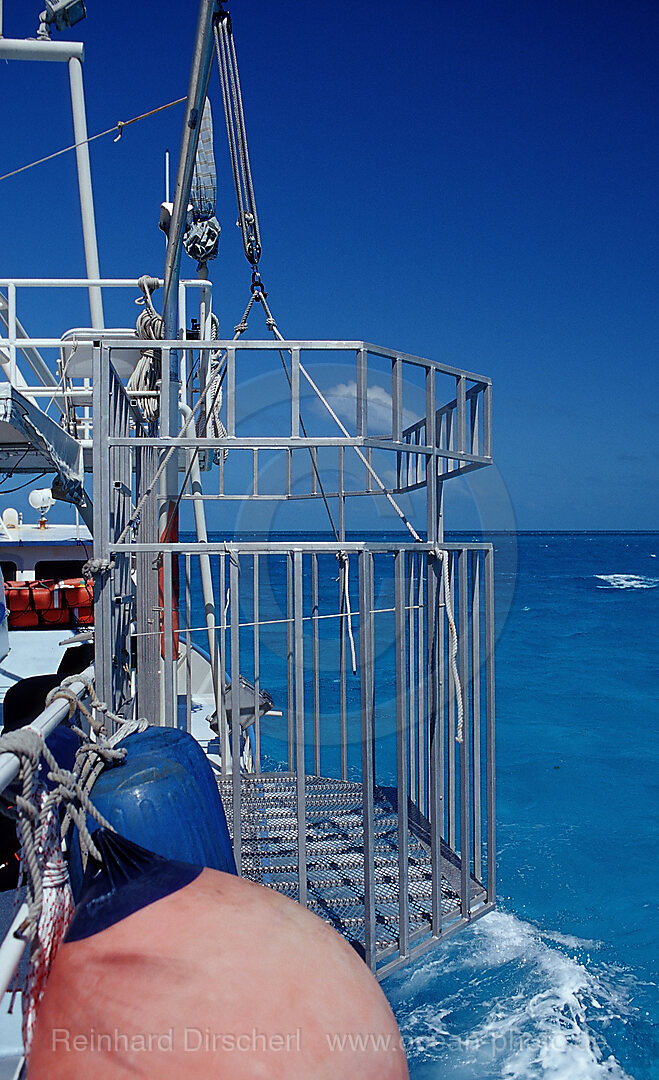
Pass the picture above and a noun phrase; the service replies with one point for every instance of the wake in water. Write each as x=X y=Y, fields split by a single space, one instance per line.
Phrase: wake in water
x=504 y=1001
x=627 y=581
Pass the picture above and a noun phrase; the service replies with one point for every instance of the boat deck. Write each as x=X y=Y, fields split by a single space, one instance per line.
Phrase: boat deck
x=335 y=854
x=31 y=652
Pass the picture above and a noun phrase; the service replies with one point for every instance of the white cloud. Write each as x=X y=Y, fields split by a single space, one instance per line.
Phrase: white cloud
x=343 y=397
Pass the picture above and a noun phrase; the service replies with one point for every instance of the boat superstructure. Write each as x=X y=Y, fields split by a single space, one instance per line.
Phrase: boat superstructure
x=362 y=784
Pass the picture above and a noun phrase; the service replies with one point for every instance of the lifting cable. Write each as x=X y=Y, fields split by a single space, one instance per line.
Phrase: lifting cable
x=235 y=120
x=249 y=226
x=251 y=237
x=248 y=221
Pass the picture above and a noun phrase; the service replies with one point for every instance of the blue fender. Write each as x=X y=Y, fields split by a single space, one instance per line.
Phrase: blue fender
x=163 y=797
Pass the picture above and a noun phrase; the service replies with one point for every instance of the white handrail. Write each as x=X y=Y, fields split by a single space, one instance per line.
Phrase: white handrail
x=44 y=724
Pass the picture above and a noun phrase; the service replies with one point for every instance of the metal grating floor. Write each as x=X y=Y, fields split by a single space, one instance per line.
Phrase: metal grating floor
x=335 y=866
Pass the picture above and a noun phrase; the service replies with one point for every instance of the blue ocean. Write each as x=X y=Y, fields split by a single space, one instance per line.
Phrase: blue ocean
x=561 y=982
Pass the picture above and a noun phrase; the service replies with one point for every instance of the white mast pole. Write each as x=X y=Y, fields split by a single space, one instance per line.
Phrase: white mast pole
x=85 y=187
x=70 y=52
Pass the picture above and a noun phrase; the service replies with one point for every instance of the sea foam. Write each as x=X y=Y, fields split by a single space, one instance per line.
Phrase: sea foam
x=627 y=581
x=503 y=1002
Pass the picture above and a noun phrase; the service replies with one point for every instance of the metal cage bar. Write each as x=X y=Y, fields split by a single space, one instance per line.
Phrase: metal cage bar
x=393 y=849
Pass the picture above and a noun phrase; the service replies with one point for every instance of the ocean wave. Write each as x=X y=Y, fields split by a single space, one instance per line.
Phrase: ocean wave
x=627 y=581
x=508 y=1004
x=570 y=941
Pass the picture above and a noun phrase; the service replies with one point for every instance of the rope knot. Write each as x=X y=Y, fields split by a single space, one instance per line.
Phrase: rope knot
x=27 y=744
x=95 y=567
x=68 y=695
x=232 y=555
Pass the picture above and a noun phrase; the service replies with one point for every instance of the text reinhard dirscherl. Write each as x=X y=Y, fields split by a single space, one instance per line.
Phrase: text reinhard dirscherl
x=190 y=1040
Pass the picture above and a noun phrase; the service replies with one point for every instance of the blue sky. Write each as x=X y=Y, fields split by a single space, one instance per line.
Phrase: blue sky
x=474 y=182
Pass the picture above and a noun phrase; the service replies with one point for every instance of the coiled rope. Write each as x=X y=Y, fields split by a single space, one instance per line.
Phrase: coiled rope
x=97 y=751
x=37 y=812
x=210 y=426
x=147 y=373
x=49 y=898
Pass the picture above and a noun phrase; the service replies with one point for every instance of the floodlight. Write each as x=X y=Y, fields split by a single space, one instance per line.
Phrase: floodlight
x=41 y=499
x=65 y=13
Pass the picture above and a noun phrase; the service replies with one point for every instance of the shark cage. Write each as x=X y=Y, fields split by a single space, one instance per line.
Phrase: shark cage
x=342 y=683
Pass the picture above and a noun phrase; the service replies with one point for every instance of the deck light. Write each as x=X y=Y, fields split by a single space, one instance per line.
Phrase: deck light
x=61 y=14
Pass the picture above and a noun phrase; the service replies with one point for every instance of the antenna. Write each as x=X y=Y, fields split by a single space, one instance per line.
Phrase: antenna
x=166 y=165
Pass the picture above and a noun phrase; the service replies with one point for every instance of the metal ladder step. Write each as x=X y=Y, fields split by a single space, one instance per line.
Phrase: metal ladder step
x=334 y=848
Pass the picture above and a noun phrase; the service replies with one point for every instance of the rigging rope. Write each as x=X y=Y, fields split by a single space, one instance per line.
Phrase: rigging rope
x=119 y=126
x=344 y=574
x=235 y=122
x=383 y=488
x=249 y=226
x=248 y=221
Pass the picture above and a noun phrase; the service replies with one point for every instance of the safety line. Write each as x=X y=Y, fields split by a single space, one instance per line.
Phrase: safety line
x=119 y=126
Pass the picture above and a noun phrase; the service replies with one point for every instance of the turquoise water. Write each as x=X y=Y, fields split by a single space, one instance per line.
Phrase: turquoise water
x=561 y=982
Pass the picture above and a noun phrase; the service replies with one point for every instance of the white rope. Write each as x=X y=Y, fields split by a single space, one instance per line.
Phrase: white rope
x=344 y=574
x=453 y=648
x=211 y=425
x=96 y=752
x=146 y=375
x=54 y=917
x=275 y=622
